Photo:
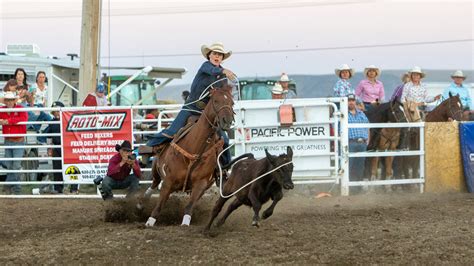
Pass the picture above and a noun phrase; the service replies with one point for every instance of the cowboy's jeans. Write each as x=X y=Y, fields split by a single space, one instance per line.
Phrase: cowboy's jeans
x=176 y=125
x=356 y=164
x=13 y=165
x=131 y=182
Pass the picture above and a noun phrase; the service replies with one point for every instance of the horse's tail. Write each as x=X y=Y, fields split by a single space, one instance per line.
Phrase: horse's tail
x=245 y=155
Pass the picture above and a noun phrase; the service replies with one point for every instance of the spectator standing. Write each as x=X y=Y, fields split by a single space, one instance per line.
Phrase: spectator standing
x=56 y=152
x=343 y=87
x=415 y=90
x=370 y=90
x=9 y=122
x=397 y=93
x=358 y=139
x=457 y=87
x=118 y=174
x=96 y=98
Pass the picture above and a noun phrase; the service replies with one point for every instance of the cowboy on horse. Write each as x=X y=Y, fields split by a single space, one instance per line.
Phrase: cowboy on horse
x=211 y=73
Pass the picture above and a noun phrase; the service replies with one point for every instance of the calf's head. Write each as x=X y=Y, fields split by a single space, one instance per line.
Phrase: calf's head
x=284 y=173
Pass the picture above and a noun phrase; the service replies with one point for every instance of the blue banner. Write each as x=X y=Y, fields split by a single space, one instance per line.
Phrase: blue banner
x=466 y=133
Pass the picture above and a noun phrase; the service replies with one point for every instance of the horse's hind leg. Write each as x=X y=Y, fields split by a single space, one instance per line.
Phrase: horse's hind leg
x=164 y=195
x=196 y=193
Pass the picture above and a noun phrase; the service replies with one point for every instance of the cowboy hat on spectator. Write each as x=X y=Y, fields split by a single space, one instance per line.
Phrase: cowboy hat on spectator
x=284 y=78
x=216 y=47
x=377 y=70
x=125 y=146
x=10 y=95
x=458 y=74
x=344 y=67
x=418 y=70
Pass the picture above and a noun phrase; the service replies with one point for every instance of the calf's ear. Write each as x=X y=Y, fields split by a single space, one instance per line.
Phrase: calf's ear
x=269 y=156
x=289 y=151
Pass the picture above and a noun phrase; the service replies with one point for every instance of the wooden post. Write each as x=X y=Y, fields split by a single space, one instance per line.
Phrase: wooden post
x=90 y=34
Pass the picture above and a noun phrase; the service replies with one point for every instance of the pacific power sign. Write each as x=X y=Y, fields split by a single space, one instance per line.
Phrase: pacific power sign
x=89 y=139
x=257 y=128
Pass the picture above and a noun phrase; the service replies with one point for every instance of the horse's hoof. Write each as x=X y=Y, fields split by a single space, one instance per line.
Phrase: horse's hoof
x=256 y=224
x=186 y=220
x=151 y=222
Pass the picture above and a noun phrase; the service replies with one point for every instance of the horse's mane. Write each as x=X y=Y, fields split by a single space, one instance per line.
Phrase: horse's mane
x=444 y=104
x=378 y=111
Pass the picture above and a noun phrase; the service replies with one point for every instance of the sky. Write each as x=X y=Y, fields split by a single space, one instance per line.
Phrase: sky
x=266 y=37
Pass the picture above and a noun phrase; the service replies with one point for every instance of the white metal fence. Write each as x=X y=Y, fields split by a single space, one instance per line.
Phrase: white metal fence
x=383 y=154
x=307 y=169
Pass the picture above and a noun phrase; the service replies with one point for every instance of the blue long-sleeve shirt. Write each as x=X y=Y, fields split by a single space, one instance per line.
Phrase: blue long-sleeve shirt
x=463 y=92
x=206 y=75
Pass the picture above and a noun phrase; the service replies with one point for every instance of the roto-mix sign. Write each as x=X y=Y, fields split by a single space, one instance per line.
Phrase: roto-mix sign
x=257 y=128
x=89 y=140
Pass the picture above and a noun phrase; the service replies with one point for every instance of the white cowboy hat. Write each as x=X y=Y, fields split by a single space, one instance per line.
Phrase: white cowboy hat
x=216 y=47
x=458 y=74
x=377 y=70
x=417 y=69
x=9 y=95
x=344 y=67
x=284 y=78
x=277 y=89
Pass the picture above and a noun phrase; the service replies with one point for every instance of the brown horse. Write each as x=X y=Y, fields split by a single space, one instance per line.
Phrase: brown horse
x=448 y=110
x=188 y=164
x=409 y=140
x=389 y=140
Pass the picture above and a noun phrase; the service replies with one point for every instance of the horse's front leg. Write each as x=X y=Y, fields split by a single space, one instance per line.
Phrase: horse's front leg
x=389 y=171
x=198 y=189
x=276 y=197
x=373 y=173
x=164 y=195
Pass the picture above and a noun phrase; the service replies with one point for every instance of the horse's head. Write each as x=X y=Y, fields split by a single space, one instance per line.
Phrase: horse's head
x=411 y=111
x=397 y=113
x=283 y=174
x=220 y=107
x=454 y=107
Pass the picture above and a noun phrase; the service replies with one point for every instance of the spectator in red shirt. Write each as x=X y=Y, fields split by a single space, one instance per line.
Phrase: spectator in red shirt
x=9 y=122
x=118 y=174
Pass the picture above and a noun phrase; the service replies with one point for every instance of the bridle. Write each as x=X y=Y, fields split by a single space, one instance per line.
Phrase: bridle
x=394 y=113
x=410 y=118
x=216 y=111
x=450 y=110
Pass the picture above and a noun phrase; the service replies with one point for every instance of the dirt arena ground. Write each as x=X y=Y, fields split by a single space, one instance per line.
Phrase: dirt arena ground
x=394 y=229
